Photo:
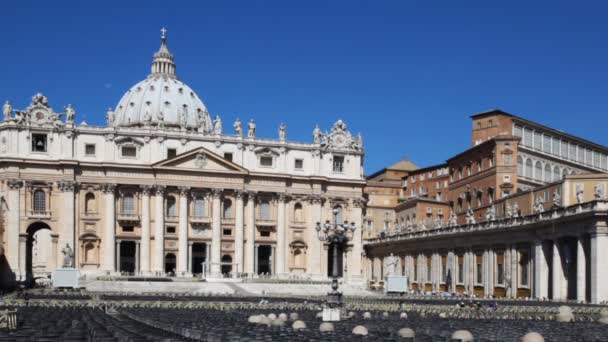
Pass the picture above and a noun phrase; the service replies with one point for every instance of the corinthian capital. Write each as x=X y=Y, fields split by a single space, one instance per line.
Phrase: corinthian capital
x=159 y=190
x=14 y=184
x=146 y=190
x=184 y=190
x=315 y=199
x=359 y=202
x=281 y=197
x=217 y=193
x=66 y=186
x=108 y=188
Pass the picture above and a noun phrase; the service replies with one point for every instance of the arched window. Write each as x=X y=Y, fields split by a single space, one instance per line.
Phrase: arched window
x=39 y=201
x=538 y=173
x=128 y=204
x=227 y=213
x=297 y=212
x=89 y=252
x=547 y=173
x=556 y=174
x=264 y=210
x=564 y=173
x=339 y=216
x=171 y=211
x=199 y=206
x=520 y=166
x=528 y=169
x=89 y=203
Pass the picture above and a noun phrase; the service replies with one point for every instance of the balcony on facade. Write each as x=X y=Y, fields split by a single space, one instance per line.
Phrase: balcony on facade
x=38 y=214
x=199 y=219
x=127 y=216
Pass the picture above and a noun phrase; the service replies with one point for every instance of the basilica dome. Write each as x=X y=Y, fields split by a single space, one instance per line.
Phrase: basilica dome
x=161 y=99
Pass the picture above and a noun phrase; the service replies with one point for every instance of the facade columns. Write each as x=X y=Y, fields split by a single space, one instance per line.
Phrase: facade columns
x=581 y=270
x=313 y=261
x=137 y=258
x=514 y=272
x=145 y=230
x=558 y=273
x=599 y=265
x=159 y=230
x=190 y=243
x=109 y=232
x=239 y=233
x=251 y=249
x=541 y=271
x=182 y=238
x=69 y=218
x=281 y=256
x=117 y=259
x=13 y=255
x=216 y=234
x=255 y=256
x=356 y=257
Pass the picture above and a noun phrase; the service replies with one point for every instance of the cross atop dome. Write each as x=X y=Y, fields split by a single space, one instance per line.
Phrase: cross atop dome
x=163 y=59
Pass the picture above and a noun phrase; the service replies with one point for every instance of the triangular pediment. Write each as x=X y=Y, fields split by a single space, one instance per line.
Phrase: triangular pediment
x=200 y=159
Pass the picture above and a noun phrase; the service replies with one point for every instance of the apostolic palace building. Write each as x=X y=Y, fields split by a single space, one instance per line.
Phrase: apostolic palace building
x=164 y=189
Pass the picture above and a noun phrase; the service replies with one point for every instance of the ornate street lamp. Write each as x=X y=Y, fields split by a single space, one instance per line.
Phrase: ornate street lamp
x=336 y=234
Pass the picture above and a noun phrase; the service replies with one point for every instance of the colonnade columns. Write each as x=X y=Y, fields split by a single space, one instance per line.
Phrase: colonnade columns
x=313 y=261
x=281 y=256
x=145 y=230
x=137 y=258
x=250 y=256
x=66 y=235
x=491 y=267
x=356 y=256
x=12 y=253
x=486 y=272
x=581 y=270
x=541 y=271
x=190 y=243
x=216 y=234
x=239 y=234
x=558 y=273
x=159 y=230
x=117 y=258
x=599 y=265
x=182 y=238
x=109 y=231
x=514 y=271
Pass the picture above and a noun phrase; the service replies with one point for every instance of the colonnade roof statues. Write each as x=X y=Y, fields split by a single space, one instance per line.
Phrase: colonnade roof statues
x=39 y=113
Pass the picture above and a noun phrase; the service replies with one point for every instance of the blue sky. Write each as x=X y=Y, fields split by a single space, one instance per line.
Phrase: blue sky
x=407 y=74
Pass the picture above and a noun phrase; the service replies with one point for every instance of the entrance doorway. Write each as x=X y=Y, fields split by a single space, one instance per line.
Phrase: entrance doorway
x=226 y=264
x=330 y=260
x=170 y=263
x=264 y=257
x=127 y=257
x=199 y=256
x=35 y=233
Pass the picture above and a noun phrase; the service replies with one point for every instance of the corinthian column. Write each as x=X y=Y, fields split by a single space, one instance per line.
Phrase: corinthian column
x=216 y=234
x=145 y=230
x=182 y=242
x=281 y=256
x=12 y=231
x=250 y=250
x=69 y=228
x=239 y=234
x=109 y=236
x=159 y=229
x=354 y=270
x=313 y=260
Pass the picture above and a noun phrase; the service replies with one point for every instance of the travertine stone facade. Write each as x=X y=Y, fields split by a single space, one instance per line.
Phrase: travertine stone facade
x=163 y=189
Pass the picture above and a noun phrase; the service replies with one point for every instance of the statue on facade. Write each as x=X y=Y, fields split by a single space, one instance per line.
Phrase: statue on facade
x=110 y=116
x=68 y=256
x=7 y=109
x=437 y=222
x=557 y=199
x=470 y=216
x=160 y=119
x=491 y=213
x=453 y=220
x=217 y=125
x=316 y=135
x=251 y=129
x=358 y=142
x=183 y=118
x=40 y=99
x=508 y=211
x=282 y=131
x=515 y=210
x=21 y=117
x=580 y=193
x=147 y=117
x=238 y=130
x=539 y=204
x=598 y=191
x=70 y=113
x=391 y=264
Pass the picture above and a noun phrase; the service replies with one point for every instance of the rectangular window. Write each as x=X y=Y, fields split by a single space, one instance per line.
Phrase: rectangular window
x=89 y=149
x=537 y=141
x=524 y=275
x=546 y=144
x=479 y=269
x=128 y=229
x=129 y=151
x=171 y=153
x=38 y=142
x=266 y=161
x=227 y=232
x=500 y=259
x=228 y=156
x=527 y=137
x=460 y=273
x=299 y=164
x=338 y=164
x=170 y=229
x=563 y=149
x=428 y=268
